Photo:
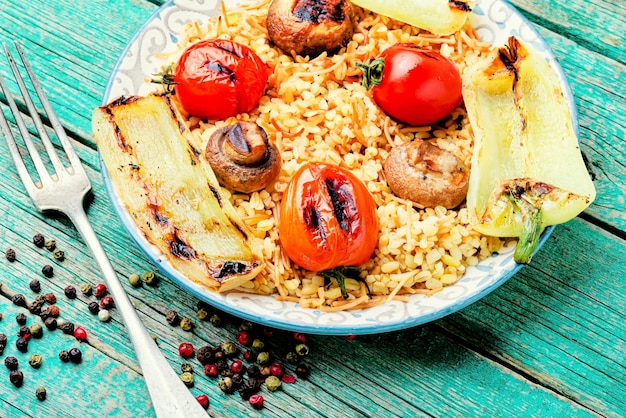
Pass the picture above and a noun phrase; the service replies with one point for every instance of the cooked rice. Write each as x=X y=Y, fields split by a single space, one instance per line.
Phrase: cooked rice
x=317 y=110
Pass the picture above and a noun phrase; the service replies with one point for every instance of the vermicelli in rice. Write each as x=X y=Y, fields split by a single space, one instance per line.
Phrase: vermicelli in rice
x=317 y=110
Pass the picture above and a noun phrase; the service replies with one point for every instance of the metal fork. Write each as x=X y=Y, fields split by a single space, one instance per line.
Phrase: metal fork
x=64 y=191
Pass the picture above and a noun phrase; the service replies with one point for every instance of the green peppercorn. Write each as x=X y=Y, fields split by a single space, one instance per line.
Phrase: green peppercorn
x=172 y=318
x=40 y=299
x=10 y=255
x=186 y=324
x=272 y=383
x=41 y=393
x=149 y=278
x=134 y=280
x=187 y=379
x=202 y=314
x=86 y=289
x=302 y=349
x=35 y=361
x=215 y=320
x=186 y=368
x=292 y=357
x=36 y=331
x=258 y=344
x=229 y=348
x=246 y=326
x=50 y=244
x=58 y=255
x=263 y=358
x=226 y=384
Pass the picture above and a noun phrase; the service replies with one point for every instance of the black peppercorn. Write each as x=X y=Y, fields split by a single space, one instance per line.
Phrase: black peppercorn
x=20 y=318
x=39 y=240
x=222 y=365
x=205 y=355
x=302 y=370
x=35 y=285
x=24 y=331
x=237 y=379
x=249 y=388
x=47 y=271
x=21 y=344
x=93 y=307
x=64 y=356
x=19 y=300
x=253 y=371
x=70 y=291
x=10 y=255
x=50 y=323
x=11 y=363
x=75 y=355
x=35 y=307
x=3 y=342
x=16 y=377
x=172 y=318
x=67 y=327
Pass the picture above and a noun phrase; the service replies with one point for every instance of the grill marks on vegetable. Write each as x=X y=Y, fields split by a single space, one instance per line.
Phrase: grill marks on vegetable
x=343 y=205
x=221 y=69
x=317 y=11
x=460 y=5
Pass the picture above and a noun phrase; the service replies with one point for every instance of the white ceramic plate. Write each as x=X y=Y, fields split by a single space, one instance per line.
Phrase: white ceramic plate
x=494 y=21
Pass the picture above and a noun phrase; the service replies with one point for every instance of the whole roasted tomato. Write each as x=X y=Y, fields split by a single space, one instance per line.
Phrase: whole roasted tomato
x=217 y=78
x=415 y=86
x=327 y=218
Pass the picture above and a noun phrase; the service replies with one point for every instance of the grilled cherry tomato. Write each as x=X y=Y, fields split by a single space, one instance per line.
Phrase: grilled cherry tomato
x=327 y=218
x=217 y=78
x=413 y=85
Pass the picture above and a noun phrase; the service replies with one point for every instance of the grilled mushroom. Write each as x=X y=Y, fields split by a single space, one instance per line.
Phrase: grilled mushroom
x=242 y=157
x=426 y=174
x=310 y=27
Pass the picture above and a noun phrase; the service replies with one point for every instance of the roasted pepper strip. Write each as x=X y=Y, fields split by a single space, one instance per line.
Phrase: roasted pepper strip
x=527 y=169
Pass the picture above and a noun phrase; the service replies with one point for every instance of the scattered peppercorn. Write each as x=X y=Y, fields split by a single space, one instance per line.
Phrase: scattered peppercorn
x=237 y=366
x=54 y=311
x=202 y=314
x=86 y=289
x=186 y=367
x=203 y=400
x=215 y=320
x=302 y=370
x=107 y=303
x=249 y=388
x=50 y=298
x=276 y=369
x=39 y=240
x=41 y=393
x=229 y=348
x=35 y=285
x=265 y=371
x=253 y=371
x=20 y=318
x=249 y=356
x=187 y=379
x=16 y=377
x=104 y=315
x=205 y=354
x=50 y=244
x=67 y=327
x=36 y=330
x=243 y=337
x=100 y=290
x=35 y=306
x=226 y=384
x=149 y=278
x=21 y=344
x=11 y=363
x=51 y=323
x=172 y=318
x=246 y=326
x=186 y=350
x=70 y=292
x=186 y=324
x=40 y=299
x=93 y=307
x=10 y=255
x=80 y=334
x=210 y=370
x=47 y=271
x=263 y=358
x=64 y=356
x=272 y=383
x=258 y=344
x=288 y=378
x=35 y=361
x=24 y=331
x=19 y=300
x=134 y=280
x=299 y=337
x=75 y=355
x=302 y=350
x=292 y=357
x=58 y=255
x=3 y=342
x=256 y=401
x=237 y=379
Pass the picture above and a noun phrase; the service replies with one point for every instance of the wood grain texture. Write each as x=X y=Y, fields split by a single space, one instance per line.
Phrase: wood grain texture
x=549 y=342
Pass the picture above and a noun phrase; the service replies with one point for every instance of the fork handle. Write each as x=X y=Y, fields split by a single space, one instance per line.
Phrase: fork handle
x=170 y=397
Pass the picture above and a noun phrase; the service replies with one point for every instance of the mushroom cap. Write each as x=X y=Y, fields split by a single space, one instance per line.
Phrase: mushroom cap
x=242 y=157
x=427 y=175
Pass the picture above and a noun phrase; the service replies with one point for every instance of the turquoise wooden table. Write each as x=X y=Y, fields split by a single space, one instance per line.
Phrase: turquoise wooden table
x=551 y=341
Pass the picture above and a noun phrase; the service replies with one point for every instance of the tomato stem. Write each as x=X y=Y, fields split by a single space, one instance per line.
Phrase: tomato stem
x=372 y=72
x=165 y=77
x=340 y=274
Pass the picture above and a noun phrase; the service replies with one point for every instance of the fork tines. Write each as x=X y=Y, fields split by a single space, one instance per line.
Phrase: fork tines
x=60 y=170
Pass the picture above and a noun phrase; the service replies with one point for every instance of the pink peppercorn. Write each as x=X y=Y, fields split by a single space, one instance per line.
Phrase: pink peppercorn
x=289 y=378
x=185 y=350
x=210 y=370
x=299 y=337
x=243 y=338
x=276 y=369
x=203 y=400
x=100 y=290
x=236 y=366
x=80 y=334
x=107 y=303
x=256 y=401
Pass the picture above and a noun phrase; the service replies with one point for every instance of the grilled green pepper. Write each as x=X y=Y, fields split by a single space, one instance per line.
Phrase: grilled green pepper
x=527 y=169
